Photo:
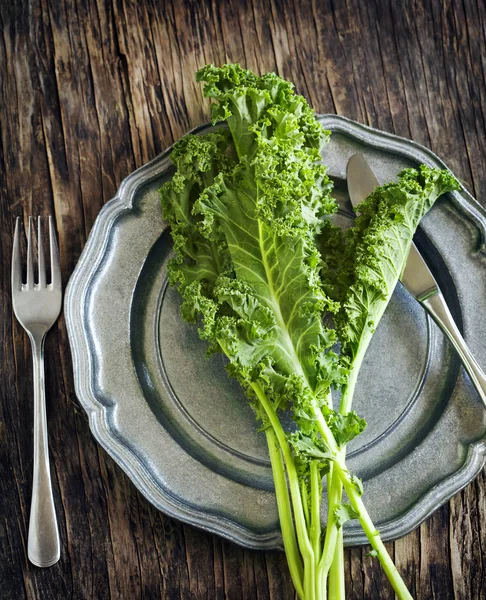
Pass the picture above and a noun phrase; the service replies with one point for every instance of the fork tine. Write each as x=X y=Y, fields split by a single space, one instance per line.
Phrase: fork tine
x=16 y=267
x=30 y=257
x=55 y=265
x=40 y=259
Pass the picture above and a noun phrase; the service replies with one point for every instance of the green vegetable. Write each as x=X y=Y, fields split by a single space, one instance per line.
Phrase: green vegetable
x=246 y=207
x=361 y=268
x=343 y=513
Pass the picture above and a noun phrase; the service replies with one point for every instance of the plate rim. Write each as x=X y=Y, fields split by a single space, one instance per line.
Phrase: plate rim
x=75 y=295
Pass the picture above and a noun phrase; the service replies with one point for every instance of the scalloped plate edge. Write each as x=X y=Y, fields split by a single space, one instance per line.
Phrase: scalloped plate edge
x=78 y=286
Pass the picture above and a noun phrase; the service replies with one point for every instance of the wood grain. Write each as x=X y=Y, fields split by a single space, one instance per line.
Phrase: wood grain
x=90 y=90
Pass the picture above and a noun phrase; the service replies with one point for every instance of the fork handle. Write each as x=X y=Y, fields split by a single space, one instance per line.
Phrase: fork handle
x=437 y=307
x=43 y=544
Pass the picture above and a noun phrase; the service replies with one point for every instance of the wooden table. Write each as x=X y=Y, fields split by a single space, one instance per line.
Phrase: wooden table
x=92 y=90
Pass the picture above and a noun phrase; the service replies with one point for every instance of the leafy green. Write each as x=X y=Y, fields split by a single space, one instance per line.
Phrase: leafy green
x=307 y=448
x=362 y=265
x=244 y=207
x=345 y=427
x=276 y=288
x=244 y=211
x=343 y=513
x=358 y=484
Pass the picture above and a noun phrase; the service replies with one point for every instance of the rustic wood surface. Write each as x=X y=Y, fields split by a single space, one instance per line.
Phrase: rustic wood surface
x=90 y=90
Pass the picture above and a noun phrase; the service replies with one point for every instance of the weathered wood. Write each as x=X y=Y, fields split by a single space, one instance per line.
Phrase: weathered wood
x=90 y=90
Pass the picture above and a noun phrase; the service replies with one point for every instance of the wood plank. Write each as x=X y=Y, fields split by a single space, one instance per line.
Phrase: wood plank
x=91 y=90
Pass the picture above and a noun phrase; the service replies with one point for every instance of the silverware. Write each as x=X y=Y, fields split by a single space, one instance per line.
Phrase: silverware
x=416 y=276
x=37 y=307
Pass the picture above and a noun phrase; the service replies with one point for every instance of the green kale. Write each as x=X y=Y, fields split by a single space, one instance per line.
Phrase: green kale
x=343 y=513
x=364 y=263
x=246 y=207
x=361 y=267
x=244 y=211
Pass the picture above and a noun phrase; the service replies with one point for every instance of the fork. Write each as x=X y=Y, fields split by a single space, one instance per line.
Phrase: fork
x=37 y=307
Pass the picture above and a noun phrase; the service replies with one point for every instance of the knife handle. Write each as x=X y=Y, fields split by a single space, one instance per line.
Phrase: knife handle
x=438 y=309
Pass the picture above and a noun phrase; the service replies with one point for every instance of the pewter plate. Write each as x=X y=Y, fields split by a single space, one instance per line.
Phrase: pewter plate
x=183 y=431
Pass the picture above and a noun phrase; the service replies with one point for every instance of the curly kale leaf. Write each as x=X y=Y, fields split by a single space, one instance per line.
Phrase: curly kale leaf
x=363 y=264
x=344 y=513
x=244 y=208
x=308 y=448
x=346 y=427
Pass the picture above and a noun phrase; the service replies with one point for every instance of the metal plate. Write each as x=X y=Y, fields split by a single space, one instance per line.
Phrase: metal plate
x=183 y=431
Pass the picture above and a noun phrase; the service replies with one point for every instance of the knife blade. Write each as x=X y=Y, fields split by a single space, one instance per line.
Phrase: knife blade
x=416 y=276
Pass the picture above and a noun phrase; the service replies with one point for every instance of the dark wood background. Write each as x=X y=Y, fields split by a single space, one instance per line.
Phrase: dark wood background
x=91 y=90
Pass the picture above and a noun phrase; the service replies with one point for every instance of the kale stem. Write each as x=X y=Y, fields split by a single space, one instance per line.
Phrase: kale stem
x=315 y=527
x=305 y=546
x=332 y=569
x=333 y=500
x=324 y=430
x=303 y=493
x=293 y=479
x=337 y=590
x=285 y=513
x=373 y=534
x=348 y=390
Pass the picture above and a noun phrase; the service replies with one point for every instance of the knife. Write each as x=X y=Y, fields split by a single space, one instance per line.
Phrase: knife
x=416 y=276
